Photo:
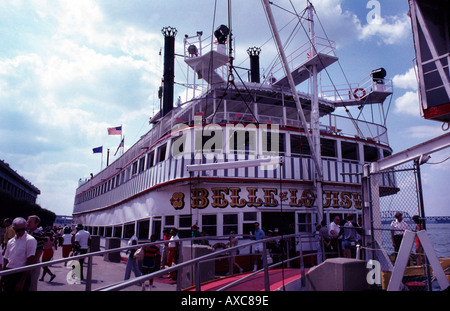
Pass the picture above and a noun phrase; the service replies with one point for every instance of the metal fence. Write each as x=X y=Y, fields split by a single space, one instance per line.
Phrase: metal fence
x=386 y=204
x=195 y=264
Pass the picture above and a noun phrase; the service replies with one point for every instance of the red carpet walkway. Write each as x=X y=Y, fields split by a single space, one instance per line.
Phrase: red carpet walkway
x=256 y=282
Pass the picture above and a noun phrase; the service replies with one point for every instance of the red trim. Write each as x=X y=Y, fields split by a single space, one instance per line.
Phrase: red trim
x=441 y=112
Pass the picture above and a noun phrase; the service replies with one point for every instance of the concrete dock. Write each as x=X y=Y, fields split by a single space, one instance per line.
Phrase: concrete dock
x=104 y=273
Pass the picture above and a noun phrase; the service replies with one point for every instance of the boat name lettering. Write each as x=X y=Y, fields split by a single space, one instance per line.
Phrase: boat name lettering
x=222 y=197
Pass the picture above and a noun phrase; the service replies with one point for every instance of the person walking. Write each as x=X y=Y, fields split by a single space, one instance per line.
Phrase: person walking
x=47 y=255
x=82 y=241
x=151 y=261
x=132 y=262
x=66 y=243
x=20 y=251
x=34 y=229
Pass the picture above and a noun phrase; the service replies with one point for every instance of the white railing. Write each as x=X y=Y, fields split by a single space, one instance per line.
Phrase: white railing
x=356 y=91
x=304 y=53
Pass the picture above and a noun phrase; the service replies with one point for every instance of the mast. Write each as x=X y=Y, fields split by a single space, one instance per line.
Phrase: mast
x=315 y=115
x=313 y=140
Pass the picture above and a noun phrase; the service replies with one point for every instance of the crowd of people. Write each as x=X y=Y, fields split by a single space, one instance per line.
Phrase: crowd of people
x=340 y=237
x=25 y=242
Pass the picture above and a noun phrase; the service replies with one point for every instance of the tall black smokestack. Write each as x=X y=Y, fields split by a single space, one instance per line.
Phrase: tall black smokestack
x=254 y=64
x=169 y=68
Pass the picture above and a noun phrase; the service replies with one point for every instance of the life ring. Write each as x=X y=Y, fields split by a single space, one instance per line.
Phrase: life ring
x=356 y=92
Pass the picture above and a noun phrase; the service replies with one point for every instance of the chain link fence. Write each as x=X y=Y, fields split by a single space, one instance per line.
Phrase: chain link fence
x=396 y=195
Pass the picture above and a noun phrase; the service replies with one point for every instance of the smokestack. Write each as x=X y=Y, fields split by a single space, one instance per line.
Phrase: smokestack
x=254 y=64
x=169 y=69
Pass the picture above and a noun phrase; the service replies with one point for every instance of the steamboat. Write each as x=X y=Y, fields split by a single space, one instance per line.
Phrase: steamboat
x=239 y=152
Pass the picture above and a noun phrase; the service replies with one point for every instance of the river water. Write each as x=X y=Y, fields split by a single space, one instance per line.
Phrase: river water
x=439 y=235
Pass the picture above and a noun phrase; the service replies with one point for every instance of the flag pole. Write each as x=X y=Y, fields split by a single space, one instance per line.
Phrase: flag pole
x=101 y=166
x=121 y=137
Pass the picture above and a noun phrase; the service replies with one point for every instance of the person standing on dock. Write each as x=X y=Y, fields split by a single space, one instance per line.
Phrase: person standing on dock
x=82 y=241
x=398 y=227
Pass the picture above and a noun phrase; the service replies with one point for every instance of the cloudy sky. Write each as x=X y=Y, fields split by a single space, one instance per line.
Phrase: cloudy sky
x=71 y=69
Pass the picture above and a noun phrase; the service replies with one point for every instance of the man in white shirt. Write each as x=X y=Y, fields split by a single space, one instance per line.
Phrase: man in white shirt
x=398 y=227
x=20 y=251
x=82 y=241
x=333 y=233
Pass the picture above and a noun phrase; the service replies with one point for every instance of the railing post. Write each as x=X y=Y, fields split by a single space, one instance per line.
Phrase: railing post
x=179 y=271
x=302 y=265
x=266 y=268
x=198 y=285
x=89 y=274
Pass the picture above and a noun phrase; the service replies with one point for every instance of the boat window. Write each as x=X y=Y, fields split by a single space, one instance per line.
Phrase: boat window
x=249 y=222
x=143 y=228
x=150 y=159
x=299 y=145
x=212 y=142
x=117 y=231
x=250 y=216
x=184 y=230
x=370 y=154
x=108 y=232
x=161 y=153
x=141 y=164
x=230 y=223
x=128 y=228
x=304 y=222
x=386 y=153
x=169 y=220
x=243 y=141
x=209 y=225
x=178 y=145
x=328 y=147
x=273 y=143
x=349 y=150
x=134 y=169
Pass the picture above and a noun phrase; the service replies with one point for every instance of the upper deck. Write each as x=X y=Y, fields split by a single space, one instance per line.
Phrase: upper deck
x=151 y=162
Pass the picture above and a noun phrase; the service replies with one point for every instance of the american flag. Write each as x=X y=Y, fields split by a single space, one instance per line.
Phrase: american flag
x=115 y=130
x=121 y=145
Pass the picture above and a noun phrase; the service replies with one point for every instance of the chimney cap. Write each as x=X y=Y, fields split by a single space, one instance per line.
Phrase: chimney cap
x=254 y=51
x=169 y=31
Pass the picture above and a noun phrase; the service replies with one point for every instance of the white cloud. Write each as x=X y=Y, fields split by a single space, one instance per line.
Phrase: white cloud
x=408 y=103
x=424 y=131
x=407 y=80
x=390 y=29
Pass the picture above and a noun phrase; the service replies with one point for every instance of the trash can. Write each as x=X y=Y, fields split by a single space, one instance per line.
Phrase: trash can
x=112 y=243
x=95 y=244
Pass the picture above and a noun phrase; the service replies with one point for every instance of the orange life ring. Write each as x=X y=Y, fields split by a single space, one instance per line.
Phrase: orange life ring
x=357 y=90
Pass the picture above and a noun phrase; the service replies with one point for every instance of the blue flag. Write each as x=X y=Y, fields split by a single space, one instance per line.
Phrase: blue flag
x=98 y=150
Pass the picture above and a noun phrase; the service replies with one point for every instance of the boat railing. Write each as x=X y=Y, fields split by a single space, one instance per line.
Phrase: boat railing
x=296 y=167
x=304 y=53
x=192 y=263
x=356 y=92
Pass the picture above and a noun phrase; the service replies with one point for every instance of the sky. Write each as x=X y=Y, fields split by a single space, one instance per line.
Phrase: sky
x=71 y=69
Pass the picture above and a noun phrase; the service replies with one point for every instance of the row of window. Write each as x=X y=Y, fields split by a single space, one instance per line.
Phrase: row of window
x=16 y=191
x=209 y=225
x=243 y=141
